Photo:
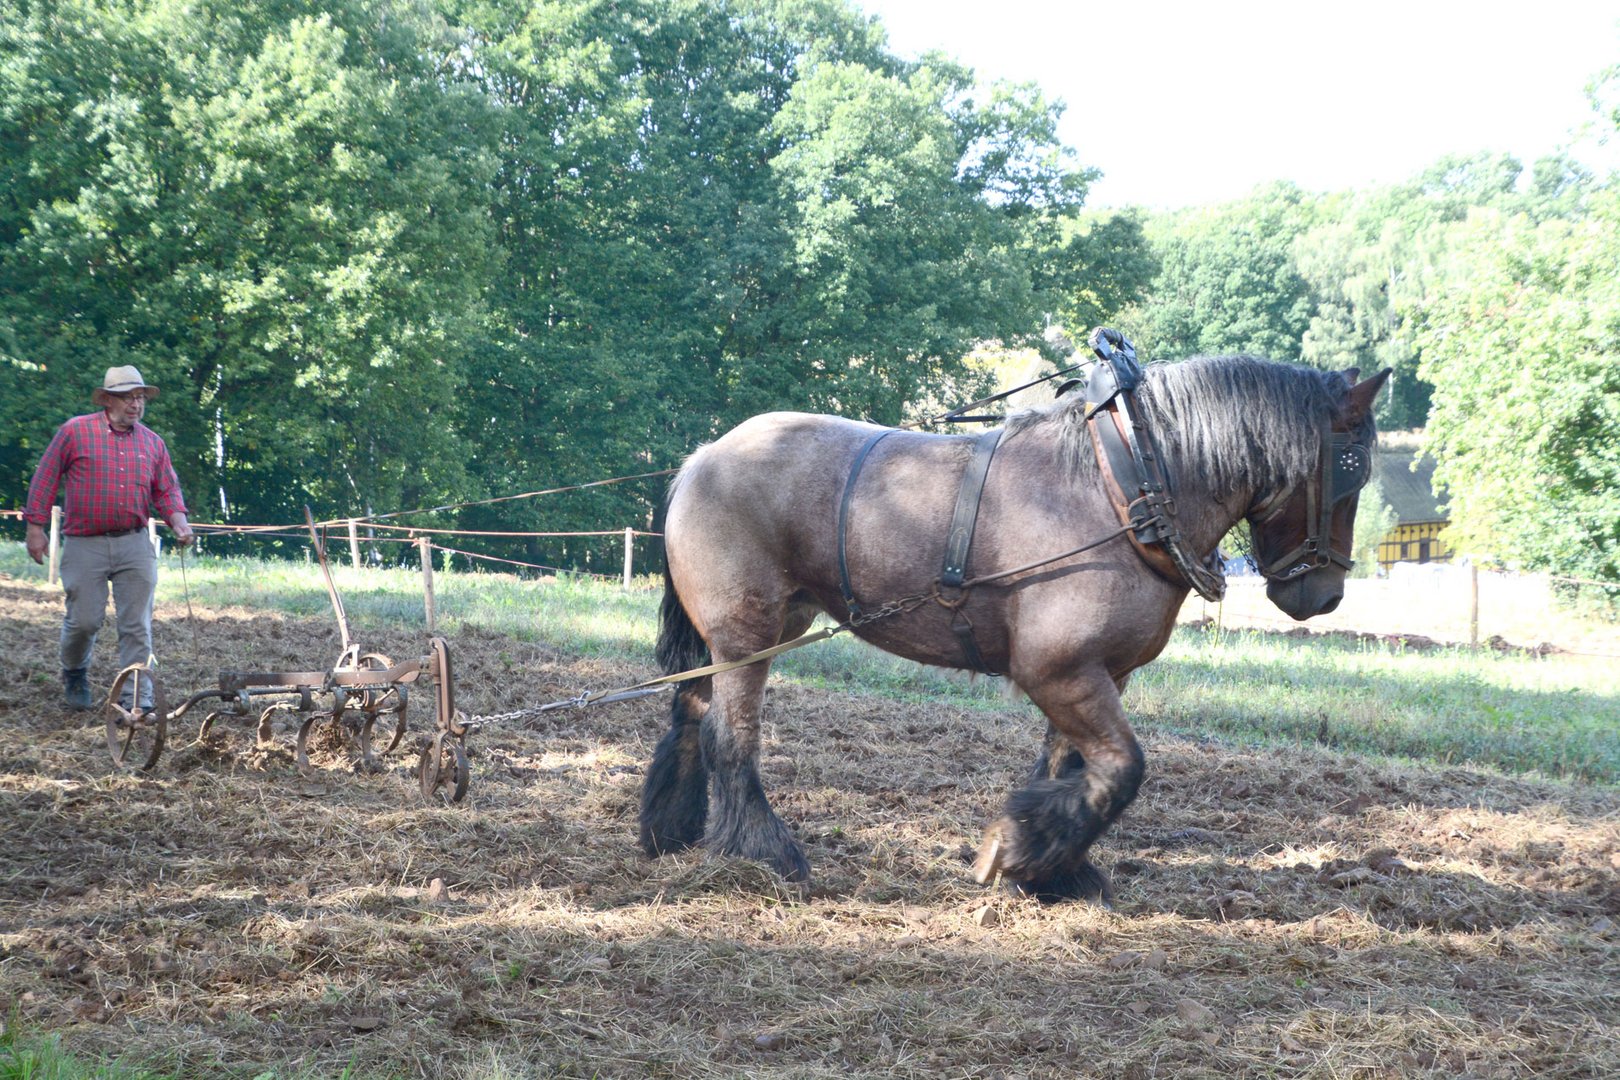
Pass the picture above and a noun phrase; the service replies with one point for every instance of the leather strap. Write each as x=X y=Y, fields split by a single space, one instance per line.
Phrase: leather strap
x=850 y=603
x=959 y=541
x=959 y=545
x=1139 y=487
x=1128 y=507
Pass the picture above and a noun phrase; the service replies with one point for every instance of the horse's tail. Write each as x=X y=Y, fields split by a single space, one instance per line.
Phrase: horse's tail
x=680 y=646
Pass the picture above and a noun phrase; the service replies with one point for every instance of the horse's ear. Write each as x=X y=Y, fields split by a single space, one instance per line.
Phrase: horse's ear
x=1359 y=401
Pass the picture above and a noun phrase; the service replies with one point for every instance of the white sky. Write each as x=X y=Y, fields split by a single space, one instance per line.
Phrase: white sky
x=1181 y=102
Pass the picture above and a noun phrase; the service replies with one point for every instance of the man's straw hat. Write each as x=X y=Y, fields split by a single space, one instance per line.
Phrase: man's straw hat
x=121 y=380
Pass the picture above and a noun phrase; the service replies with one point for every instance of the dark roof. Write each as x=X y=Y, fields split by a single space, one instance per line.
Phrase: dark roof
x=1409 y=493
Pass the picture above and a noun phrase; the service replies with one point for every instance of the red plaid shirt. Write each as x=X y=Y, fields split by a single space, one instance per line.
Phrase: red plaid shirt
x=111 y=479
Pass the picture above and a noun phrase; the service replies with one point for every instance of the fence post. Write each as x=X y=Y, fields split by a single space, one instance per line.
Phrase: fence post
x=354 y=545
x=56 y=541
x=629 y=548
x=1473 y=605
x=152 y=536
x=425 y=546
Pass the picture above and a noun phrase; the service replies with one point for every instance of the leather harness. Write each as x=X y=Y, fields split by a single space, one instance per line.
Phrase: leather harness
x=1345 y=467
x=958 y=540
x=1139 y=488
x=1134 y=472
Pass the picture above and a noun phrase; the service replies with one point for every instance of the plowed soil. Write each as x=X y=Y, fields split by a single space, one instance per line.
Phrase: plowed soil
x=1278 y=913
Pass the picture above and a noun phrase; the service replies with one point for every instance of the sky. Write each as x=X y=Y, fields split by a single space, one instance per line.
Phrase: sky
x=1183 y=103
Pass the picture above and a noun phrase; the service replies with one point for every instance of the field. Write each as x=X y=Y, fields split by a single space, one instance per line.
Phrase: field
x=1349 y=859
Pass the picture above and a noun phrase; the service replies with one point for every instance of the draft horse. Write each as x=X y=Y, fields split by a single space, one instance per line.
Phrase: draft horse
x=789 y=515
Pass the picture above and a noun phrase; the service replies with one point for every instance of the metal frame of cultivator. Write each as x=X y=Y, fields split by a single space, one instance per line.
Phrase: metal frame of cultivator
x=363 y=697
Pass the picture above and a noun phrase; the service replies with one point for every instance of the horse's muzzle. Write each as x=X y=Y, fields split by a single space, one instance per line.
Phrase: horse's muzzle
x=1308 y=595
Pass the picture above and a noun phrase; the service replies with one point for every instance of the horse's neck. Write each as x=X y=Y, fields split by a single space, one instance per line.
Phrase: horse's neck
x=1202 y=515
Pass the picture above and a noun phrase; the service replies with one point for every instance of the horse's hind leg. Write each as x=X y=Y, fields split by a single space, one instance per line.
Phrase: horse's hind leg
x=741 y=821
x=675 y=797
x=1088 y=775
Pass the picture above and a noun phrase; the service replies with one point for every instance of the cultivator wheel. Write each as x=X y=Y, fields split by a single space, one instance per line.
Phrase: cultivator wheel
x=443 y=769
x=379 y=705
x=135 y=735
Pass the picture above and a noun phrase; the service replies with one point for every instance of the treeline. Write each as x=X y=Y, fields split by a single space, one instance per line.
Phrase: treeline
x=1492 y=290
x=383 y=255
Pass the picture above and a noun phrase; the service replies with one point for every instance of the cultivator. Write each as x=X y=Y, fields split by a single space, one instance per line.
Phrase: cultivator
x=363 y=698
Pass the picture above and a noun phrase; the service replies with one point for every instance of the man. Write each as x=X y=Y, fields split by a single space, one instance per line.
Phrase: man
x=114 y=472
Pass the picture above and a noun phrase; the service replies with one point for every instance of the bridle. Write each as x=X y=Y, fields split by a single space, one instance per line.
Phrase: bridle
x=1344 y=469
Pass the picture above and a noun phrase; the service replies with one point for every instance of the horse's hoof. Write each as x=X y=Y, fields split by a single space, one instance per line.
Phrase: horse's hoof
x=793 y=866
x=1086 y=882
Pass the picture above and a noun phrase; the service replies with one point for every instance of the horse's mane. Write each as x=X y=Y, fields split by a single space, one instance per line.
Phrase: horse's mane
x=1235 y=421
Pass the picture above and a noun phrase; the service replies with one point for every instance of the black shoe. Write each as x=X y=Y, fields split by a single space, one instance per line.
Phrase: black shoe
x=76 y=689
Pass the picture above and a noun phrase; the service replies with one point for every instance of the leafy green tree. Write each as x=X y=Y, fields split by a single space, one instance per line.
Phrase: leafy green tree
x=1374 y=252
x=1227 y=280
x=272 y=212
x=711 y=209
x=381 y=255
x=1119 y=267
x=1522 y=354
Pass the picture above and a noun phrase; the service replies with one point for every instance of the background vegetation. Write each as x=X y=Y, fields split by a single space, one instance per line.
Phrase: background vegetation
x=383 y=255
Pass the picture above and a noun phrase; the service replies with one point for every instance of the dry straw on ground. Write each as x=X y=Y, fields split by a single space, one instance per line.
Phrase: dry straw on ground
x=1287 y=914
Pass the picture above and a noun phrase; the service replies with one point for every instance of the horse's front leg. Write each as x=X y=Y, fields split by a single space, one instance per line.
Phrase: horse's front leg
x=1087 y=776
x=741 y=821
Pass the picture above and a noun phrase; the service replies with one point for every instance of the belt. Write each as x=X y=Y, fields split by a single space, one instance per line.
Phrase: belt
x=122 y=532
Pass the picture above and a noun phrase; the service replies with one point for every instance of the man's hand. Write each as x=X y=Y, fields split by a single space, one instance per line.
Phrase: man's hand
x=182 y=530
x=37 y=543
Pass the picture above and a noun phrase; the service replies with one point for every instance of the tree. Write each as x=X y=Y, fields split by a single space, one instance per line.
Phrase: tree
x=1226 y=281
x=711 y=209
x=1523 y=355
x=273 y=212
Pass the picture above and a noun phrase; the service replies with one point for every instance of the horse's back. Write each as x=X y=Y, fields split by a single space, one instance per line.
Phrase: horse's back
x=751 y=511
x=766 y=469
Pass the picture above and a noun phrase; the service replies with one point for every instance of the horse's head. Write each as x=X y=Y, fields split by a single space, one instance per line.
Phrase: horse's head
x=1302 y=534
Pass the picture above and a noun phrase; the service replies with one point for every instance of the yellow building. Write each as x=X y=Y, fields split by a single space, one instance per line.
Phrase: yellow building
x=1419 y=522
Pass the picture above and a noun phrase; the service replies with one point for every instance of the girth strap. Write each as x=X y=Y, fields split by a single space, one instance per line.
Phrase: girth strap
x=958 y=541
x=853 y=605
x=959 y=544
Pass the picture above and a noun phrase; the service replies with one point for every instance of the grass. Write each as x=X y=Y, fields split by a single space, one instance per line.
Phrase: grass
x=1516 y=712
x=42 y=1058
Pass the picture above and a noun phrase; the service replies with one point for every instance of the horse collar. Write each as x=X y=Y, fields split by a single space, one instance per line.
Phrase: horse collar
x=1134 y=472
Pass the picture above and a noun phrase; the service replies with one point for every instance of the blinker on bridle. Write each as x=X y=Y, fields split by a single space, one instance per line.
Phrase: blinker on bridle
x=1346 y=466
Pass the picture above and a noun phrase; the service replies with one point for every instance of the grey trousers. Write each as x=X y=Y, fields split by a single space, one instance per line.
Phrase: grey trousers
x=89 y=565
